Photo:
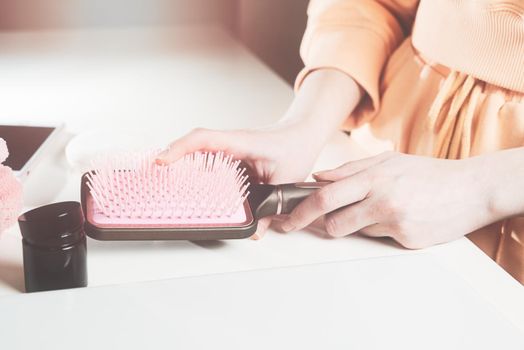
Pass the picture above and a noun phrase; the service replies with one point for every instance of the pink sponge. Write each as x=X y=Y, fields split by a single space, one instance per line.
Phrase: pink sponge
x=10 y=192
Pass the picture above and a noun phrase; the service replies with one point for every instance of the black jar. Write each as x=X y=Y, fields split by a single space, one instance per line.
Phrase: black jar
x=54 y=247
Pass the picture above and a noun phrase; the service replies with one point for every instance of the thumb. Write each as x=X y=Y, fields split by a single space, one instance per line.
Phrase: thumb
x=262 y=227
x=351 y=168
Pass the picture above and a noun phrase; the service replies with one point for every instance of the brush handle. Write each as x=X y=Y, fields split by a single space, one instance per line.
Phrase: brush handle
x=268 y=200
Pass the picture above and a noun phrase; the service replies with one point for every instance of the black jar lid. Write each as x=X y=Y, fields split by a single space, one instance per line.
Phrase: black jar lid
x=54 y=225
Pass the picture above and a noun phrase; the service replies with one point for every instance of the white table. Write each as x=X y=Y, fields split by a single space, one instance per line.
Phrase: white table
x=360 y=304
x=158 y=84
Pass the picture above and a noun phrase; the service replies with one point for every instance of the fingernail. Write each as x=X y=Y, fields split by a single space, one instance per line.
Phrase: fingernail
x=319 y=173
x=286 y=226
x=255 y=237
x=160 y=158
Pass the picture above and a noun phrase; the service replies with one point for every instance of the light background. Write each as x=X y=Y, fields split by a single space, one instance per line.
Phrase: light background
x=272 y=29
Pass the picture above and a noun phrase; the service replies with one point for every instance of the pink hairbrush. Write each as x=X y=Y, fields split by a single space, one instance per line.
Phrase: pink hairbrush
x=10 y=192
x=203 y=196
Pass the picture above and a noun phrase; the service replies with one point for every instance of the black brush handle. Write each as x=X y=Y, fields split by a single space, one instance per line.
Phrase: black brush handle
x=268 y=200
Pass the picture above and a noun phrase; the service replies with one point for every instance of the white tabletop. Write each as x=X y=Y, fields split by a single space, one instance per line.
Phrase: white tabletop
x=362 y=304
x=155 y=85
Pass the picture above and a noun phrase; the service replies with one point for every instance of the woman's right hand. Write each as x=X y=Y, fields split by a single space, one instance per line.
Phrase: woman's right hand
x=286 y=151
x=279 y=154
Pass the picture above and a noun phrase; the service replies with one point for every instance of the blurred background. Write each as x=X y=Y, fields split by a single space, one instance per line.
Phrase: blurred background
x=137 y=74
x=271 y=29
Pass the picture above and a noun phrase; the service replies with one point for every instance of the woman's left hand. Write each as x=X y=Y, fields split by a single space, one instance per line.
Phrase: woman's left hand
x=418 y=201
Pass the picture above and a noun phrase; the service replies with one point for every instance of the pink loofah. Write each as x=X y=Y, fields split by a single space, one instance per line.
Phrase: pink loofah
x=10 y=192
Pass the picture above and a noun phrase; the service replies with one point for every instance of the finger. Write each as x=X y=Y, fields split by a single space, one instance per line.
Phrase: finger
x=330 y=197
x=318 y=228
x=201 y=140
x=376 y=230
x=352 y=168
x=277 y=221
x=262 y=227
x=350 y=219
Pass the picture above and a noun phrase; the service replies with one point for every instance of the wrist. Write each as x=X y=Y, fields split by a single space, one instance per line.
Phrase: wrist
x=302 y=133
x=504 y=182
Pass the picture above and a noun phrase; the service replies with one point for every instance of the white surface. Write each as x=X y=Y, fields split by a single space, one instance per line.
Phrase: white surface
x=383 y=303
x=158 y=84
x=81 y=149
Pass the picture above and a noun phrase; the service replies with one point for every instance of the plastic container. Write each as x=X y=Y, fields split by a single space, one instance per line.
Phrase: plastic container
x=55 y=250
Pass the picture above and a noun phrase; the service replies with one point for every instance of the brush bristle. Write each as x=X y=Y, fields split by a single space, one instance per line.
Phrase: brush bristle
x=200 y=185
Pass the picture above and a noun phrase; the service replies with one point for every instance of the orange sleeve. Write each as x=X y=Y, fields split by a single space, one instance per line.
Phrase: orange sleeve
x=356 y=37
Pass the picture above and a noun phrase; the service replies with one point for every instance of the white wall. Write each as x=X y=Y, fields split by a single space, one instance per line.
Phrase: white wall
x=273 y=30
x=35 y=14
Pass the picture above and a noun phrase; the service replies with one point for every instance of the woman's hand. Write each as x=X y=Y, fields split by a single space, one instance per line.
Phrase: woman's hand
x=417 y=201
x=286 y=151
x=279 y=154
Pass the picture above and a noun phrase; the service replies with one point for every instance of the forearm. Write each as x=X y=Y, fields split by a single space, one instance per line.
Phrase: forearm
x=325 y=100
